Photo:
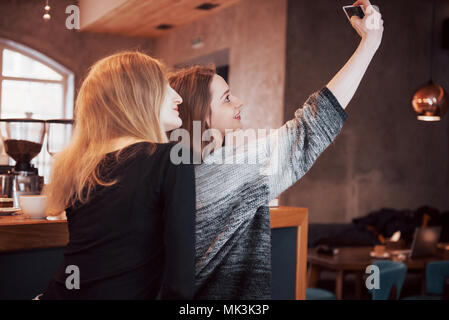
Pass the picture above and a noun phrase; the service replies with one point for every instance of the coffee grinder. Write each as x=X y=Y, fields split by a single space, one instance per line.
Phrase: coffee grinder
x=22 y=140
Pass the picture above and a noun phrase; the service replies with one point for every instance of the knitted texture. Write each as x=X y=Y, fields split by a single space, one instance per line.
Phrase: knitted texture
x=233 y=235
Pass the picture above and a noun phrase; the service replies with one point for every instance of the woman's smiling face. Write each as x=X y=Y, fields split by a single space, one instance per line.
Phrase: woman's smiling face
x=225 y=108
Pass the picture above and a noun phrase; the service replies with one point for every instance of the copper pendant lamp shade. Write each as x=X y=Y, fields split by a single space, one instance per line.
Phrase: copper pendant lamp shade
x=430 y=102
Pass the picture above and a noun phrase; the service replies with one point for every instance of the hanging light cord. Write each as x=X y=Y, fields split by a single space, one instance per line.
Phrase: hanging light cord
x=431 y=39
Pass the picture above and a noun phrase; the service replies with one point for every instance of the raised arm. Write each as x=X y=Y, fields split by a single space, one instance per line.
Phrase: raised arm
x=294 y=148
x=345 y=83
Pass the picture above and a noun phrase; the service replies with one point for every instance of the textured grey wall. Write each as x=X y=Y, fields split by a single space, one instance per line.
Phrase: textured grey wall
x=21 y=21
x=383 y=157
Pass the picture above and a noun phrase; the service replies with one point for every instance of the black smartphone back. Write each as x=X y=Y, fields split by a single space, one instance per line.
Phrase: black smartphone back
x=354 y=11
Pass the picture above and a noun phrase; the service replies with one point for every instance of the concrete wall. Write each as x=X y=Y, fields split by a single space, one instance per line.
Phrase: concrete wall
x=383 y=157
x=21 y=21
x=254 y=32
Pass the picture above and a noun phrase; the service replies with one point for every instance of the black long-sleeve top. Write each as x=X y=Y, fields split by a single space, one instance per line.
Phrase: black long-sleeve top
x=134 y=239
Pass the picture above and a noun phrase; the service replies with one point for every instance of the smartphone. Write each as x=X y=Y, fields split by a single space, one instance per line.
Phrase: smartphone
x=357 y=11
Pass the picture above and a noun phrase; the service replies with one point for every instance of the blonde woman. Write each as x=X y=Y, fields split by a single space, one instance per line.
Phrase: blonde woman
x=130 y=211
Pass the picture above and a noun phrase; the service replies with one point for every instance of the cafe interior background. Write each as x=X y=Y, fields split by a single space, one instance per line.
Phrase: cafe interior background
x=387 y=171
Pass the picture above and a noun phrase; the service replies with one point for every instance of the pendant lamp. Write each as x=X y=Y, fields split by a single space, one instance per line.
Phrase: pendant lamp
x=430 y=101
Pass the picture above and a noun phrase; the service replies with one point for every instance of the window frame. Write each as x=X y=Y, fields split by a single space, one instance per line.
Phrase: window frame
x=67 y=81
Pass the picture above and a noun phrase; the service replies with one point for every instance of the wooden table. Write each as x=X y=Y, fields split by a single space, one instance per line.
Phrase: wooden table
x=21 y=233
x=354 y=260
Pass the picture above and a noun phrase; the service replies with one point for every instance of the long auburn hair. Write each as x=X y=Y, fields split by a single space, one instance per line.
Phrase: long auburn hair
x=120 y=97
x=193 y=85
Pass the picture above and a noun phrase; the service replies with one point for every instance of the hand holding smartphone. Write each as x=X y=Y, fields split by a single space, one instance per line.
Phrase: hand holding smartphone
x=372 y=26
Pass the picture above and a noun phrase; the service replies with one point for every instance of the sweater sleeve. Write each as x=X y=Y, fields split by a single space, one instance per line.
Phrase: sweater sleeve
x=292 y=149
x=179 y=232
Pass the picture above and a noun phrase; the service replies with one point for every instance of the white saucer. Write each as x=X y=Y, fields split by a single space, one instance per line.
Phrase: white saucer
x=8 y=211
x=385 y=255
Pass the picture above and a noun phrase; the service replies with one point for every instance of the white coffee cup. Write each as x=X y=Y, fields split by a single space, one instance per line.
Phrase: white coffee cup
x=34 y=206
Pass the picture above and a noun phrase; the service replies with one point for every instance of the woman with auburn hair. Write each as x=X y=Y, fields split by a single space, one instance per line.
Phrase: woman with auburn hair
x=233 y=248
x=130 y=210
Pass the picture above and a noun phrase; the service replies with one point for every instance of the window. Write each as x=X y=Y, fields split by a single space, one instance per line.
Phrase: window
x=34 y=86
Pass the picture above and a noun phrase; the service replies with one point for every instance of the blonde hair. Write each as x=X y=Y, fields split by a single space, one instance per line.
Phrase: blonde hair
x=120 y=97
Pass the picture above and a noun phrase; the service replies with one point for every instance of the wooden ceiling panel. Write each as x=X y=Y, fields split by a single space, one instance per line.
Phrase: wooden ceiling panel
x=142 y=17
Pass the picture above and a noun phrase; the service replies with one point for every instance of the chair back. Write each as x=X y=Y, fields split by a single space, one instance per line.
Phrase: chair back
x=437 y=275
x=289 y=252
x=391 y=279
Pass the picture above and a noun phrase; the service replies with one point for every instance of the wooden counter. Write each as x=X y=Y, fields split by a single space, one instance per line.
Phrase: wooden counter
x=18 y=232
x=21 y=233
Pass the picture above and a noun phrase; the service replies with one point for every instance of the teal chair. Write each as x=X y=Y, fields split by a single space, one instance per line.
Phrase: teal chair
x=437 y=282
x=319 y=294
x=391 y=279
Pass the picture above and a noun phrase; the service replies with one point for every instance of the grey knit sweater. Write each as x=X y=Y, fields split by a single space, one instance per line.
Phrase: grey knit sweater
x=233 y=236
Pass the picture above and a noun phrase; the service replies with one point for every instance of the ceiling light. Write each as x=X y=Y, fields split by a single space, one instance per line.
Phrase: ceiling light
x=207 y=6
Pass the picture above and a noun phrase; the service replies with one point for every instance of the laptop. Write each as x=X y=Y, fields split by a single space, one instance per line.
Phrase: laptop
x=425 y=242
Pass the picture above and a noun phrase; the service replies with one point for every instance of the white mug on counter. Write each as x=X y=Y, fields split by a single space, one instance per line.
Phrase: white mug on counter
x=34 y=206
